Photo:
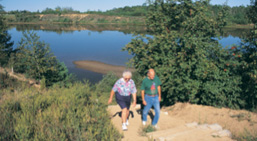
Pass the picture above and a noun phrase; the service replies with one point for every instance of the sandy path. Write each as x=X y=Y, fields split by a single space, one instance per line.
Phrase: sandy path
x=170 y=128
x=19 y=77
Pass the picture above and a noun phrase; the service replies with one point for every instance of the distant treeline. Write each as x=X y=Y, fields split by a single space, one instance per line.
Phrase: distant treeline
x=235 y=15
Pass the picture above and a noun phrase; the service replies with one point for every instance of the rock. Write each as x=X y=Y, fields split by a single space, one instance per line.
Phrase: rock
x=193 y=124
x=203 y=126
x=166 y=113
x=215 y=127
x=161 y=139
x=224 y=133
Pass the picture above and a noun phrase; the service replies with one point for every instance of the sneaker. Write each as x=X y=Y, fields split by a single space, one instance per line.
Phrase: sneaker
x=155 y=126
x=144 y=122
x=124 y=127
x=127 y=123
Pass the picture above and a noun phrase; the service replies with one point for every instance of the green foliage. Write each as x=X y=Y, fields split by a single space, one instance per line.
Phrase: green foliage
x=249 y=59
x=36 y=60
x=60 y=10
x=57 y=114
x=26 y=17
x=104 y=87
x=190 y=63
x=247 y=136
x=7 y=82
x=125 y=11
x=147 y=129
x=5 y=42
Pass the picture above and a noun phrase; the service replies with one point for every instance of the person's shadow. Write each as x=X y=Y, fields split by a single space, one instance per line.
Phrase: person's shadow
x=131 y=113
x=119 y=113
x=140 y=112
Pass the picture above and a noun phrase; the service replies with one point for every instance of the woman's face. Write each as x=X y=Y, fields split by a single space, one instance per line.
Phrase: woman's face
x=126 y=78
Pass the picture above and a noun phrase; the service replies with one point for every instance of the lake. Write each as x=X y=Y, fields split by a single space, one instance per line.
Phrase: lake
x=101 y=43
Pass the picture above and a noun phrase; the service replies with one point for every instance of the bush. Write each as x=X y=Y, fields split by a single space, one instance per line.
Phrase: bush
x=35 y=58
x=56 y=114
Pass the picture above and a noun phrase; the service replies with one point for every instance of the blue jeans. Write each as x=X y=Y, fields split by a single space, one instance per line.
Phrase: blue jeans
x=152 y=101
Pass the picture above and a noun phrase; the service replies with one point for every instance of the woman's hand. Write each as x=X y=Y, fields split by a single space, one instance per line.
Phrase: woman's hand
x=110 y=101
x=134 y=104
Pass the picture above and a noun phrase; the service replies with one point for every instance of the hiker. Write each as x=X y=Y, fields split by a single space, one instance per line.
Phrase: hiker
x=151 y=96
x=123 y=88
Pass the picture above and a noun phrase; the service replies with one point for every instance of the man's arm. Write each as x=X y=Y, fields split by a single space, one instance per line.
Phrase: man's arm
x=159 y=93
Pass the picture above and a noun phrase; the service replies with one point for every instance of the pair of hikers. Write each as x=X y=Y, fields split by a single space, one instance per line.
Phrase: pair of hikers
x=150 y=92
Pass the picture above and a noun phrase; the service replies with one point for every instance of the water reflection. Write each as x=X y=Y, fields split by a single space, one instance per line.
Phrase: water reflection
x=236 y=32
x=70 y=28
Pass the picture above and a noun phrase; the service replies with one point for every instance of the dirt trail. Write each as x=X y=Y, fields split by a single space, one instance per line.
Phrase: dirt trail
x=19 y=77
x=185 y=121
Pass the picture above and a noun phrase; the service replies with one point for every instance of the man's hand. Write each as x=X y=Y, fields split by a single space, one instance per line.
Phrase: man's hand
x=110 y=101
x=144 y=102
x=160 y=99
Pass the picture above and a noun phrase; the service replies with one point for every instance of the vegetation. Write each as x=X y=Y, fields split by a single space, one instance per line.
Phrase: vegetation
x=147 y=129
x=59 y=10
x=249 y=61
x=191 y=64
x=235 y=15
x=34 y=58
x=56 y=114
x=125 y=11
x=5 y=42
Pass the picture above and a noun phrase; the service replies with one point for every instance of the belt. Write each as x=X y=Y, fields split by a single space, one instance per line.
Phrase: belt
x=152 y=95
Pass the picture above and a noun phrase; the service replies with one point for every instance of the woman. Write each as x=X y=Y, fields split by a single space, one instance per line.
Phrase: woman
x=123 y=88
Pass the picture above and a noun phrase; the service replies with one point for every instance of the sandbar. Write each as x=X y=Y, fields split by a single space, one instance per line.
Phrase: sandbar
x=103 y=68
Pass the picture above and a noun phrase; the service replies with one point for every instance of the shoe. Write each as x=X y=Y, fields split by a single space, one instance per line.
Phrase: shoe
x=144 y=122
x=155 y=126
x=124 y=127
x=127 y=123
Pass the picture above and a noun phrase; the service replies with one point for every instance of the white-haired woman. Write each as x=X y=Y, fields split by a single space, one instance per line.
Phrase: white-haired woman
x=123 y=89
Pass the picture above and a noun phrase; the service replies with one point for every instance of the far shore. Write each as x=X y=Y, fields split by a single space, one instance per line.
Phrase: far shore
x=99 y=67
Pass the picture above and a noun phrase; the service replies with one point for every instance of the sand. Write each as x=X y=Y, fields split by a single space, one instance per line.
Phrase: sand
x=100 y=67
x=173 y=121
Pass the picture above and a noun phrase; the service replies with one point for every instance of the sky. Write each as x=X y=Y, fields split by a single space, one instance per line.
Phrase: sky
x=85 y=5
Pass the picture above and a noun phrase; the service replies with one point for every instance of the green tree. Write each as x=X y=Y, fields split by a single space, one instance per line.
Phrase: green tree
x=249 y=68
x=191 y=64
x=5 y=41
x=36 y=60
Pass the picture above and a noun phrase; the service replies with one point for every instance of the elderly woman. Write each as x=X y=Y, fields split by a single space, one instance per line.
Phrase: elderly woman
x=123 y=88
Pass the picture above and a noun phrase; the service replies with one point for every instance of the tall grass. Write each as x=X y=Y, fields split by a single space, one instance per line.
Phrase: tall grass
x=55 y=114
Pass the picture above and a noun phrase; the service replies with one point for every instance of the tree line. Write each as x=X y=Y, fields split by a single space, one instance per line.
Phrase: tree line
x=235 y=15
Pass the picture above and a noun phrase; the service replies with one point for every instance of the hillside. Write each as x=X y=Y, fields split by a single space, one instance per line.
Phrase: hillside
x=72 y=18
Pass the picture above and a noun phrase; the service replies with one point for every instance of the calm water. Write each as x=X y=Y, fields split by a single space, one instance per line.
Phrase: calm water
x=104 y=46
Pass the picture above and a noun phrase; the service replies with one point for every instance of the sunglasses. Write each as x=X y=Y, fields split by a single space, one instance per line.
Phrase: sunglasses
x=126 y=79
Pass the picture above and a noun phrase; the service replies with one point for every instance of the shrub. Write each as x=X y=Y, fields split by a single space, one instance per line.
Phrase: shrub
x=56 y=114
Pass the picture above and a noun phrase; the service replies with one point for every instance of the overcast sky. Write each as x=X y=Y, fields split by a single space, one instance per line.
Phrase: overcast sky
x=85 y=5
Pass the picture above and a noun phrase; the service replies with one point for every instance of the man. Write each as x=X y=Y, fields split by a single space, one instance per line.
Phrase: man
x=151 y=96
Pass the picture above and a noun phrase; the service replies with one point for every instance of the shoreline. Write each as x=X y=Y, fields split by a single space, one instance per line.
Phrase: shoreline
x=100 y=67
